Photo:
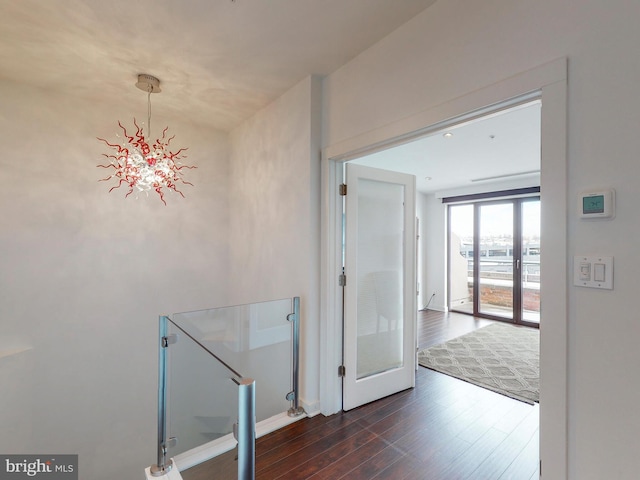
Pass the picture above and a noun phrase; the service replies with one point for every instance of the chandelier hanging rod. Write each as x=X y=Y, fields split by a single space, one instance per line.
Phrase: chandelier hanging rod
x=149 y=84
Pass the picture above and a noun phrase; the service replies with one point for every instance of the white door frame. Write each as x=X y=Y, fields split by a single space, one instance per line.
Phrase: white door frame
x=549 y=83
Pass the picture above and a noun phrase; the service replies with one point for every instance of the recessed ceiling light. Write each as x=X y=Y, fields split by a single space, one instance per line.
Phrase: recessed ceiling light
x=448 y=135
x=427 y=178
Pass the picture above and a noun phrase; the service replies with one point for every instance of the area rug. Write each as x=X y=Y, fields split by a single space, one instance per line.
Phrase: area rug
x=500 y=357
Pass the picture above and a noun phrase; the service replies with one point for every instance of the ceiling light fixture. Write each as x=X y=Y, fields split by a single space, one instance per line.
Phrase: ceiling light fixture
x=448 y=135
x=142 y=165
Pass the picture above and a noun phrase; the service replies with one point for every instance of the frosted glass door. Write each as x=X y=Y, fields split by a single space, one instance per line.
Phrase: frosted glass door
x=380 y=291
x=379 y=276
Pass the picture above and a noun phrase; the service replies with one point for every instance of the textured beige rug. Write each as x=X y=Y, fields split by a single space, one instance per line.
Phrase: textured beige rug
x=500 y=357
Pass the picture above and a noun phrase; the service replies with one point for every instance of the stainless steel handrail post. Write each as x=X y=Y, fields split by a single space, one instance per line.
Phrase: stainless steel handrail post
x=162 y=467
x=294 y=396
x=246 y=429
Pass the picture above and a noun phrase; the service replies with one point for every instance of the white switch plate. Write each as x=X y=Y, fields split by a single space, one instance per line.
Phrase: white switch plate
x=597 y=266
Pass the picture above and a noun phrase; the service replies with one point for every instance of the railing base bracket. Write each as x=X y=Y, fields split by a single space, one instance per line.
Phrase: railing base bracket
x=157 y=471
x=295 y=412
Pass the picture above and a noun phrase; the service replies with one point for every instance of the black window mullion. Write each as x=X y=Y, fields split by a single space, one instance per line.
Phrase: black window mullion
x=476 y=259
x=517 y=260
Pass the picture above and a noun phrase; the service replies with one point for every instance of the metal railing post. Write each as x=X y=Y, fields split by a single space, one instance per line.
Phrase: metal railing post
x=162 y=467
x=294 y=396
x=246 y=429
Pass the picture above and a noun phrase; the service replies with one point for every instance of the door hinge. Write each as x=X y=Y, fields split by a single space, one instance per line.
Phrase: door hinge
x=342 y=371
x=540 y=469
x=169 y=339
x=342 y=280
x=343 y=189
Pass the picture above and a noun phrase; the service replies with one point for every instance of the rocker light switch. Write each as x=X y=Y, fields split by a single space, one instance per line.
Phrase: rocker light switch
x=598 y=272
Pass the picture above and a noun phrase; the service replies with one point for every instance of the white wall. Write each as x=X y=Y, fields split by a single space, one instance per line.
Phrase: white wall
x=433 y=255
x=457 y=47
x=84 y=275
x=275 y=214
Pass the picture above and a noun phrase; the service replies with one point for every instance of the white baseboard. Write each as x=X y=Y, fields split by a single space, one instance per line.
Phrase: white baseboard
x=311 y=409
x=275 y=423
x=221 y=445
x=437 y=308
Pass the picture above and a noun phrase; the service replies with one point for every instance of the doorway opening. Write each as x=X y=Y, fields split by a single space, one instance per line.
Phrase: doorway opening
x=474 y=184
x=547 y=82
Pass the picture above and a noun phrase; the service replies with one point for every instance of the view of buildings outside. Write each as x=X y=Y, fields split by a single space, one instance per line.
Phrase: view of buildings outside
x=496 y=259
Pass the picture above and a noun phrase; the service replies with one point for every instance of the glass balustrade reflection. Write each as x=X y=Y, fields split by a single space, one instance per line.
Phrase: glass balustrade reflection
x=251 y=341
x=202 y=399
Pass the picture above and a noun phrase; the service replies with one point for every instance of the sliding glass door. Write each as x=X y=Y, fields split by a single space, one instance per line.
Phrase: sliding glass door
x=495 y=265
x=494 y=259
x=530 y=274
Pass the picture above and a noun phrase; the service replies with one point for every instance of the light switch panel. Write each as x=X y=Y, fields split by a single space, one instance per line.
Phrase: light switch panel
x=593 y=271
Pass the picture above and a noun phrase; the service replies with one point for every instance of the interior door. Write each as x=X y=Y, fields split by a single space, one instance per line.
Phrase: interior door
x=380 y=301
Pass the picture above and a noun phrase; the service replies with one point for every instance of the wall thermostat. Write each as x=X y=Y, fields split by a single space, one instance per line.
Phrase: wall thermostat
x=597 y=204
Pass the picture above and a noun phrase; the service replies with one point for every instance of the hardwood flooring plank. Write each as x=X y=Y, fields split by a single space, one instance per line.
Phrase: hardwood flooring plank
x=401 y=469
x=373 y=465
x=348 y=463
x=490 y=416
x=503 y=457
x=526 y=461
x=534 y=476
x=437 y=456
x=462 y=466
x=342 y=449
x=271 y=467
x=516 y=415
x=287 y=446
x=438 y=327
x=293 y=430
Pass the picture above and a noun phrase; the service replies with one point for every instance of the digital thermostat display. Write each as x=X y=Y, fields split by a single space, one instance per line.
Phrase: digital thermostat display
x=597 y=204
x=594 y=204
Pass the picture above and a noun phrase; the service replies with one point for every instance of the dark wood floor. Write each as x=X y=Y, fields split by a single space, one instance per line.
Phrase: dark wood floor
x=444 y=429
x=437 y=327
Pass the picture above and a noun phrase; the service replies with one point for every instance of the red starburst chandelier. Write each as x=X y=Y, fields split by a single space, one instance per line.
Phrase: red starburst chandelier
x=143 y=164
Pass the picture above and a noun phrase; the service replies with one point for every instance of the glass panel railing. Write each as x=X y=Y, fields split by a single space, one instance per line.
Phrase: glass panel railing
x=253 y=339
x=202 y=399
x=220 y=371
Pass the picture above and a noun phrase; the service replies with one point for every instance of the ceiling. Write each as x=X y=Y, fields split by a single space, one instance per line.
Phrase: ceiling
x=219 y=61
x=498 y=149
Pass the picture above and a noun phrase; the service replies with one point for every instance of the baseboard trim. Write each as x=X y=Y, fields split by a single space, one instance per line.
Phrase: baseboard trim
x=221 y=445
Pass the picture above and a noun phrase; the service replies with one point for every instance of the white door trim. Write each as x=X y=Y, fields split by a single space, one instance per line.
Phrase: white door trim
x=550 y=81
